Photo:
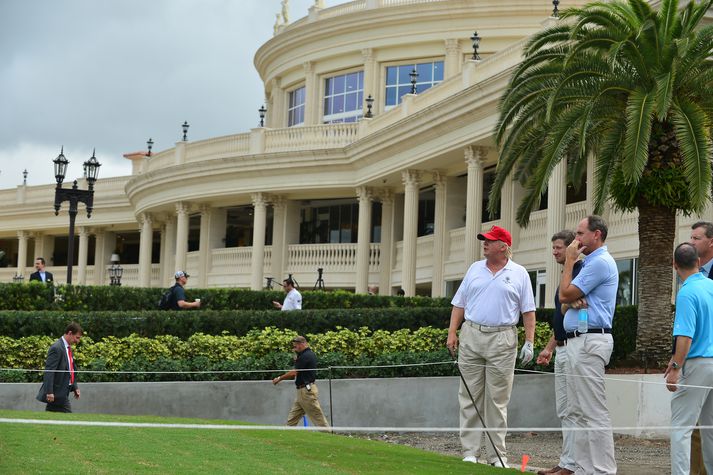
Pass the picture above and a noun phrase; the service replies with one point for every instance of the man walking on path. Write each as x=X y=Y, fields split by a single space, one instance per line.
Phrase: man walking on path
x=304 y=374
x=60 y=372
x=589 y=352
x=691 y=365
x=494 y=293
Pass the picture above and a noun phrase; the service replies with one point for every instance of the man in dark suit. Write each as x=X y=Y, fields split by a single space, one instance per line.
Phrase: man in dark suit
x=702 y=240
x=60 y=372
x=41 y=275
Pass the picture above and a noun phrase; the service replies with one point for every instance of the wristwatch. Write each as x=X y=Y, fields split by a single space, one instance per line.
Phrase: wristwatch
x=675 y=365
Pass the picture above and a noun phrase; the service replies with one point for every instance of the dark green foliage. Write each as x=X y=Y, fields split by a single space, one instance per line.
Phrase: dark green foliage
x=183 y=324
x=36 y=296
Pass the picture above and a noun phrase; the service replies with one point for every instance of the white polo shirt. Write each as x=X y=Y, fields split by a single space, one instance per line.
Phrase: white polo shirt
x=495 y=299
x=293 y=301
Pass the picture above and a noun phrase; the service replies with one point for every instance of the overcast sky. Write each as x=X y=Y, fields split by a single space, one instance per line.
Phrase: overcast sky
x=112 y=73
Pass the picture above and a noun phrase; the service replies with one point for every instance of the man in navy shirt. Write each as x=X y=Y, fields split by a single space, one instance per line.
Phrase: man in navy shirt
x=557 y=343
x=588 y=353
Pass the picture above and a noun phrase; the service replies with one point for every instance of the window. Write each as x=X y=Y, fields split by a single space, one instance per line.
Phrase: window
x=426 y=212
x=488 y=182
x=344 y=98
x=538 y=279
x=398 y=80
x=296 y=107
x=626 y=293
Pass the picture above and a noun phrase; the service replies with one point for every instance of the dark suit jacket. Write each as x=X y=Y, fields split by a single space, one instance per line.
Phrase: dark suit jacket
x=36 y=276
x=57 y=383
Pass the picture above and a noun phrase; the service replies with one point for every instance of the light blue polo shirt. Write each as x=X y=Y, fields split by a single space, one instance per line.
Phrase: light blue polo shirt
x=598 y=280
x=694 y=315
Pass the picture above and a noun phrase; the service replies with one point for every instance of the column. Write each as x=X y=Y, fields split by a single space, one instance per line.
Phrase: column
x=454 y=58
x=258 y=250
x=204 y=246
x=168 y=252
x=181 y=235
x=22 y=237
x=556 y=221
x=370 y=77
x=312 y=99
x=438 y=286
x=145 y=244
x=411 y=180
x=104 y=247
x=39 y=248
x=279 y=237
x=82 y=255
x=386 y=196
x=363 y=240
x=474 y=157
x=276 y=116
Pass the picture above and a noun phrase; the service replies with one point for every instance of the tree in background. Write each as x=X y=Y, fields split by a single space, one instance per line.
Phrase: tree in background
x=629 y=87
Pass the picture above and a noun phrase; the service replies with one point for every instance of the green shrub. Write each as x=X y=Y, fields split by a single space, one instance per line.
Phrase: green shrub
x=38 y=296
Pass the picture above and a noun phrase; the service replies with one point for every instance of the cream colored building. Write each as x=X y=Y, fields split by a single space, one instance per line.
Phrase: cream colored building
x=393 y=201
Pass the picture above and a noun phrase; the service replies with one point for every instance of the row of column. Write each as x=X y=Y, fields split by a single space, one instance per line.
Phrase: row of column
x=277 y=101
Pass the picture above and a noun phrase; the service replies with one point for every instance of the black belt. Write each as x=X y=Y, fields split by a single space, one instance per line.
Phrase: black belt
x=575 y=334
x=560 y=342
x=300 y=386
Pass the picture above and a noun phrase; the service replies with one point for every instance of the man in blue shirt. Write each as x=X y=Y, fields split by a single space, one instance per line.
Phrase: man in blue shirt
x=588 y=353
x=692 y=362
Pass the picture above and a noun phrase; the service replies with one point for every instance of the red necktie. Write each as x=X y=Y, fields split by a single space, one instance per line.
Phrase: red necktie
x=71 y=365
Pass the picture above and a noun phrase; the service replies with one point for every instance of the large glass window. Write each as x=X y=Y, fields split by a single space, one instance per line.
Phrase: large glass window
x=344 y=98
x=538 y=279
x=296 y=107
x=426 y=212
x=626 y=293
x=398 y=80
x=239 y=226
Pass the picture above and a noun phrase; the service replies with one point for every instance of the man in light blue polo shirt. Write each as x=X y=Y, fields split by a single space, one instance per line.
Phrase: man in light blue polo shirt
x=692 y=362
x=588 y=353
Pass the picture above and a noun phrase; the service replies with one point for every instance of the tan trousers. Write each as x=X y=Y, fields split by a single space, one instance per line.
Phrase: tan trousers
x=486 y=358
x=307 y=402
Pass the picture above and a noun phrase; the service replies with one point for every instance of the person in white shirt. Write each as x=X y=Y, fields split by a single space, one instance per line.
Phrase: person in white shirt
x=494 y=293
x=293 y=299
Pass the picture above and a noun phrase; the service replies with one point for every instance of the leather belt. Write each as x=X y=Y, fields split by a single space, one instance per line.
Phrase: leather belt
x=575 y=333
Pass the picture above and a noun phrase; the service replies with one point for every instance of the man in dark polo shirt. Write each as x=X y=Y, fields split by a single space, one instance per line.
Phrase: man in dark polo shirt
x=566 y=465
x=304 y=374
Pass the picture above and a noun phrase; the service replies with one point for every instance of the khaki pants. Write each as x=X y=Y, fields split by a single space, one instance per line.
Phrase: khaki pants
x=486 y=358
x=567 y=458
x=307 y=402
x=689 y=405
x=587 y=356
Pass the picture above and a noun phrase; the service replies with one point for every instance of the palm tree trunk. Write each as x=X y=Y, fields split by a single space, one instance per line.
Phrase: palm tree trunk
x=657 y=232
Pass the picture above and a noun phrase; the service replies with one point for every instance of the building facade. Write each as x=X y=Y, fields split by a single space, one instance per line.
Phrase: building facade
x=353 y=173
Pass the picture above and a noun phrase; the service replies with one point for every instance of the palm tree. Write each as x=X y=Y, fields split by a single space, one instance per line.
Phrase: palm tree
x=631 y=87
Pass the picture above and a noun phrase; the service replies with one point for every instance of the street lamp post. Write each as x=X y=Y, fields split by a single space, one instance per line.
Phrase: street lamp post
x=262 y=110
x=475 y=39
x=115 y=271
x=75 y=196
x=414 y=77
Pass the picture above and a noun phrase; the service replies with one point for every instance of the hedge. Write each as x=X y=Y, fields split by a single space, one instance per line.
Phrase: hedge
x=260 y=351
x=38 y=296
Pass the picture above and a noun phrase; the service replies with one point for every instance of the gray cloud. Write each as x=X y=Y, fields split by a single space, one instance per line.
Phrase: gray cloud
x=111 y=74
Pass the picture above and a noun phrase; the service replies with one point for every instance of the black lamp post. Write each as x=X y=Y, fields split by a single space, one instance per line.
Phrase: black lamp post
x=24 y=177
x=369 y=105
x=262 y=110
x=555 y=11
x=185 y=130
x=414 y=76
x=75 y=196
x=115 y=271
x=476 y=44
x=149 y=144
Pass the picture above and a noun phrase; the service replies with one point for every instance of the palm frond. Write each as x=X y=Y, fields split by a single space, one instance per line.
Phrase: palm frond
x=638 y=133
x=664 y=93
x=693 y=133
x=667 y=15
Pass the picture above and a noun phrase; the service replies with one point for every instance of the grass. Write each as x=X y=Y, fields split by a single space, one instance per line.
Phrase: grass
x=34 y=448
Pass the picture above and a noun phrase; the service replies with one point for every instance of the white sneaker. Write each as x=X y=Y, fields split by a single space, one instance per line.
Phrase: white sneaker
x=471 y=459
x=504 y=463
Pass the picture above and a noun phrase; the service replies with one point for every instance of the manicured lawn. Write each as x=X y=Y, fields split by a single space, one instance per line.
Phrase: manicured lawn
x=36 y=448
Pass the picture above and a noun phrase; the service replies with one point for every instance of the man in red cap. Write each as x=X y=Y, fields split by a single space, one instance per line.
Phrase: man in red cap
x=494 y=293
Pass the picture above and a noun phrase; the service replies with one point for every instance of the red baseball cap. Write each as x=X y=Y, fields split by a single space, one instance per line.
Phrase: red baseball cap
x=497 y=233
